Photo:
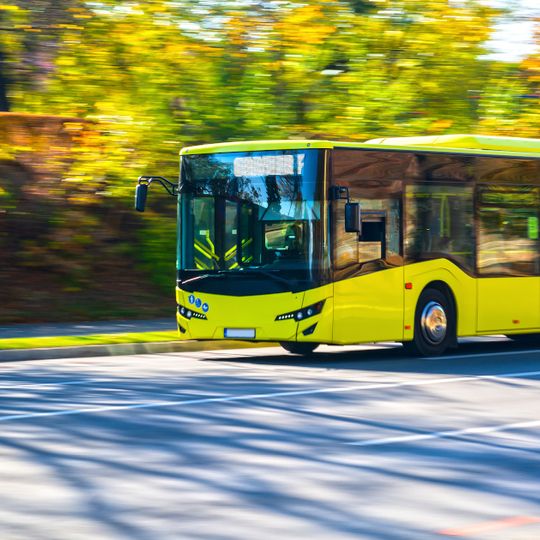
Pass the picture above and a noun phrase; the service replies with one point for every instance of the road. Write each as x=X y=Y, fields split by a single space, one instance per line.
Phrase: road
x=353 y=443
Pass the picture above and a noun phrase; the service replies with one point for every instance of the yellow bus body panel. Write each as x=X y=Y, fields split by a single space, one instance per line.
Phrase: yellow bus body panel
x=508 y=304
x=369 y=308
x=323 y=330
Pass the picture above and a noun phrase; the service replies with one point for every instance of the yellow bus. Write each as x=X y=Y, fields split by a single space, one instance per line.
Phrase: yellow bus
x=419 y=240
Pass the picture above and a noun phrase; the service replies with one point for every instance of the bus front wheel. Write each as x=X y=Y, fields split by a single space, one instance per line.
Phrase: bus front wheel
x=295 y=347
x=434 y=325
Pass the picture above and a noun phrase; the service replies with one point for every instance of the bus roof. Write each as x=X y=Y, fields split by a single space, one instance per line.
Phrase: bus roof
x=469 y=142
x=451 y=144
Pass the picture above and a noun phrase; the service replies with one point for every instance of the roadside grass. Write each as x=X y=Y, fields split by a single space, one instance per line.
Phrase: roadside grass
x=114 y=339
x=91 y=339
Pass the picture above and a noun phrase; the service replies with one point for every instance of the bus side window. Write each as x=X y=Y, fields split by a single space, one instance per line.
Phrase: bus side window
x=508 y=236
x=439 y=223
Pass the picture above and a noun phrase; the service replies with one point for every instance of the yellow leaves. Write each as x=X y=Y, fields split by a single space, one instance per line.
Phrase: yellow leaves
x=407 y=63
x=255 y=71
x=441 y=125
x=65 y=61
x=394 y=33
x=305 y=26
x=532 y=63
x=237 y=31
x=305 y=14
x=9 y=7
x=82 y=199
x=73 y=126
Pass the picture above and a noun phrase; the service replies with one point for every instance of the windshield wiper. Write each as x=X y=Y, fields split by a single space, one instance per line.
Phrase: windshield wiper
x=224 y=274
x=204 y=276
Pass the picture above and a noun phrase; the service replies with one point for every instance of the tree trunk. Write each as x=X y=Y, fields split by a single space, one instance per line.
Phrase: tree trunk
x=4 y=102
x=4 y=82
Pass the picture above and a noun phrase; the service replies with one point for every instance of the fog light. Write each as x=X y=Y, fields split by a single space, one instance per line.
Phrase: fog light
x=309 y=330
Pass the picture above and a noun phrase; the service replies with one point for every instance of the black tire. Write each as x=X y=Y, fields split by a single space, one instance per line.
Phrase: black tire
x=303 y=348
x=526 y=339
x=434 y=325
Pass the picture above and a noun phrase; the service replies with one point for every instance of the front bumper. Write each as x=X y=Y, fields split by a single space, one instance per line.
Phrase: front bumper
x=210 y=315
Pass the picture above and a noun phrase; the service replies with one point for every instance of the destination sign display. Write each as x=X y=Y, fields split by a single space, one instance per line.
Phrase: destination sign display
x=270 y=165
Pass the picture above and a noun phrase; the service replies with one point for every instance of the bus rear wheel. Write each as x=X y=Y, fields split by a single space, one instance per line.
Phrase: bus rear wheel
x=434 y=325
x=295 y=347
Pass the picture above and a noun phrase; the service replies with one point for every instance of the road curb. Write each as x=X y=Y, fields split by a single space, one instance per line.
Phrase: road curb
x=118 y=349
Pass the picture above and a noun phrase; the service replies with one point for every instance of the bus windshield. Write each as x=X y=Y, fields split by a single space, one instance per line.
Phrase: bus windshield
x=258 y=216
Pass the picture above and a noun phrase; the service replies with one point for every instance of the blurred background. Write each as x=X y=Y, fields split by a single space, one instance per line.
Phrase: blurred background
x=95 y=93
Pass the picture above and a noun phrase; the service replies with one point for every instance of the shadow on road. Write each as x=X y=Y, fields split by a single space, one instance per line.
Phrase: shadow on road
x=472 y=356
x=256 y=468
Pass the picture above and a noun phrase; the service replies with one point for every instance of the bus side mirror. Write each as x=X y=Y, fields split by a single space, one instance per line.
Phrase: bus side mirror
x=353 y=218
x=140 y=197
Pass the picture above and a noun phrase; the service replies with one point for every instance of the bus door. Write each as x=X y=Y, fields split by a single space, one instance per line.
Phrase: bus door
x=368 y=271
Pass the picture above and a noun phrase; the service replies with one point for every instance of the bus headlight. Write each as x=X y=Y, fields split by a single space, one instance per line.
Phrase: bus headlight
x=301 y=314
x=188 y=313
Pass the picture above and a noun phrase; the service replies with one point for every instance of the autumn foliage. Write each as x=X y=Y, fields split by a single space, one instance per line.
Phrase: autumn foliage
x=102 y=92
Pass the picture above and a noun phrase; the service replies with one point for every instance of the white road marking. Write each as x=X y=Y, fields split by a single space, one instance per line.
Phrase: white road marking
x=444 y=434
x=269 y=395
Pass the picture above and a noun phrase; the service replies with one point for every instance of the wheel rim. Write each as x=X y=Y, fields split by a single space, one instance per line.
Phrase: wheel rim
x=434 y=323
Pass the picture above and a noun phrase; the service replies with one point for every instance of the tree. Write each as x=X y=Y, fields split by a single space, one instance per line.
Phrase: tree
x=31 y=36
x=6 y=21
x=509 y=103
x=4 y=83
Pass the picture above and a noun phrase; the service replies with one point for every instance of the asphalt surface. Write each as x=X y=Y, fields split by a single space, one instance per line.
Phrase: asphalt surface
x=353 y=443
x=85 y=328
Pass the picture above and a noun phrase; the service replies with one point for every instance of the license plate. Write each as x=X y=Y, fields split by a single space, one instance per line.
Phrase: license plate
x=240 y=333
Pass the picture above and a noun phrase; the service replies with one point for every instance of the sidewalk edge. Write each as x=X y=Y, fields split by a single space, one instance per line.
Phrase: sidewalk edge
x=119 y=349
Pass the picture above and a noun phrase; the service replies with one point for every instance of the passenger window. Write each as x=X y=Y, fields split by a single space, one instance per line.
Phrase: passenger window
x=440 y=223
x=508 y=239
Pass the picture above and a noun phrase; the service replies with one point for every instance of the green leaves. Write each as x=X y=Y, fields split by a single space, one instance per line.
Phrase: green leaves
x=155 y=75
